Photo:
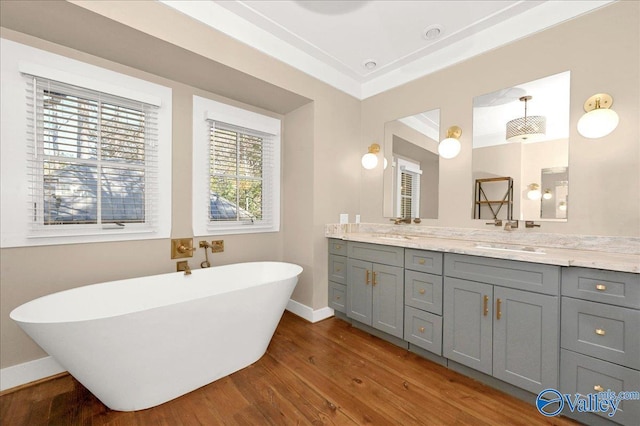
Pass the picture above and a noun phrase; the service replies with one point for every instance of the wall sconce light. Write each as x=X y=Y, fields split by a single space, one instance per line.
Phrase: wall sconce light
x=562 y=205
x=547 y=194
x=599 y=119
x=450 y=147
x=533 y=192
x=370 y=159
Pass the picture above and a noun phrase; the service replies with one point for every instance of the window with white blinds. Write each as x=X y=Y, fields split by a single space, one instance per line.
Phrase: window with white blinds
x=236 y=162
x=408 y=188
x=92 y=160
x=240 y=184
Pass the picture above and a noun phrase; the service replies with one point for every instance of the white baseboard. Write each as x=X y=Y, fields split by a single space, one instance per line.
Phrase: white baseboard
x=31 y=371
x=307 y=312
x=27 y=372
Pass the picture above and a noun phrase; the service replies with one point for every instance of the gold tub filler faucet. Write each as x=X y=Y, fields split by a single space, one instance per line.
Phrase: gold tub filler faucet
x=215 y=246
x=206 y=245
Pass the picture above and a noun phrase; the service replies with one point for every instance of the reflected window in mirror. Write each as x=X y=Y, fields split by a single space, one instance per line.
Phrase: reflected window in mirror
x=518 y=133
x=410 y=185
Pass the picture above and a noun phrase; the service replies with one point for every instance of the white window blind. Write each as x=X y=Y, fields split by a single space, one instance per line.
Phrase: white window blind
x=241 y=176
x=408 y=189
x=93 y=164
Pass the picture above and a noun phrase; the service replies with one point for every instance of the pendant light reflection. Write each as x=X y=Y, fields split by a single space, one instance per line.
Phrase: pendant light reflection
x=528 y=128
x=599 y=119
x=450 y=147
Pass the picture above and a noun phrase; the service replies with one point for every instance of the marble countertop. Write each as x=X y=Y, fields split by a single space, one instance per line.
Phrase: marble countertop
x=611 y=253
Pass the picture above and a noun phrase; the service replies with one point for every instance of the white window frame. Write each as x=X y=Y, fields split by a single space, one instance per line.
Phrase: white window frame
x=18 y=60
x=413 y=168
x=206 y=111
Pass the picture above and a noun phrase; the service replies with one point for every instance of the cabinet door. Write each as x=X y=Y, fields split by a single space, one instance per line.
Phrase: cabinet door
x=388 y=299
x=525 y=339
x=467 y=323
x=359 y=290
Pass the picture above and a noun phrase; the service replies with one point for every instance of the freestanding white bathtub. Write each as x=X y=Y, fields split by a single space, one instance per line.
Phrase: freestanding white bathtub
x=139 y=342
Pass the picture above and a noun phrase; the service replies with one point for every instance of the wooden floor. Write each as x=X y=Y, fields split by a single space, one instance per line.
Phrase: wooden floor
x=312 y=374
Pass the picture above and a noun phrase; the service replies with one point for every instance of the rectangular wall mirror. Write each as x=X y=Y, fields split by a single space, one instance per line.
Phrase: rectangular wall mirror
x=521 y=151
x=411 y=170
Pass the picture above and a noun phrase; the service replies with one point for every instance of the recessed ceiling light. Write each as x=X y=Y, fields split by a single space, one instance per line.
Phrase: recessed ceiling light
x=432 y=32
x=369 y=64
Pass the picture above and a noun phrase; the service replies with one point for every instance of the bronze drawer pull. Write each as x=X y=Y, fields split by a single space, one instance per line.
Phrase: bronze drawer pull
x=338 y=269
x=421 y=261
x=421 y=291
x=374 y=278
x=600 y=332
x=485 y=309
x=601 y=287
x=421 y=329
x=367 y=279
x=337 y=246
x=499 y=311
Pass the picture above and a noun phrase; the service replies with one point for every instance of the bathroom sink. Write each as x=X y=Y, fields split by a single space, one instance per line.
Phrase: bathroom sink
x=393 y=237
x=510 y=248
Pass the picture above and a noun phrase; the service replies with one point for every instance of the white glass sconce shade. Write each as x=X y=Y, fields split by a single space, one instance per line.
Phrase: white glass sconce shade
x=533 y=192
x=450 y=147
x=599 y=119
x=547 y=195
x=370 y=159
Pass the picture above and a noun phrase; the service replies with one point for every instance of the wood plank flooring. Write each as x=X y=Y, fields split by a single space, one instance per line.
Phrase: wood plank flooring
x=312 y=374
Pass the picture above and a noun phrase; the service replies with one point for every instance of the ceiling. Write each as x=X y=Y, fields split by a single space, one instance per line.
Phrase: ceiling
x=335 y=40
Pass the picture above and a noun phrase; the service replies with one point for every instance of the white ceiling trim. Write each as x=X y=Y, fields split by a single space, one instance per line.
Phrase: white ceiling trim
x=548 y=14
x=223 y=20
x=534 y=20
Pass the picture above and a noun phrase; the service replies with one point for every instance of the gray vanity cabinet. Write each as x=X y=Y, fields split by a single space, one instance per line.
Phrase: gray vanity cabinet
x=601 y=336
x=467 y=323
x=423 y=299
x=375 y=291
x=338 y=275
x=506 y=332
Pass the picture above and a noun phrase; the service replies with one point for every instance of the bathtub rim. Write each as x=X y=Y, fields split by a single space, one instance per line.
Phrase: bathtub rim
x=15 y=313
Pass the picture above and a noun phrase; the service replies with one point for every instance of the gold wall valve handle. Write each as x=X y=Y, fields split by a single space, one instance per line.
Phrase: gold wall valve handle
x=600 y=332
x=499 y=309
x=367 y=278
x=598 y=388
x=601 y=287
x=485 y=304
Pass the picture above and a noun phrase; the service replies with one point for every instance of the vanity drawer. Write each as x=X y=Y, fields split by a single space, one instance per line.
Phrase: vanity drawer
x=423 y=261
x=423 y=291
x=423 y=329
x=386 y=255
x=338 y=269
x=507 y=273
x=338 y=297
x=338 y=247
x=585 y=375
x=616 y=288
x=603 y=331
